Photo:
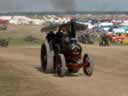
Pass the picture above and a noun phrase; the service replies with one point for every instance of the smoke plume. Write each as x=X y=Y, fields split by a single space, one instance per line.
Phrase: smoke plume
x=63 y=5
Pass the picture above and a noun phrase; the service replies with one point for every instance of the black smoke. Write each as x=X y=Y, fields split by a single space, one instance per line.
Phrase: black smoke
x=64 y=5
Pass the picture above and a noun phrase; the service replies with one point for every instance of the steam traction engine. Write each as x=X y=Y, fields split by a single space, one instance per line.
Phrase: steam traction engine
x=61 y=53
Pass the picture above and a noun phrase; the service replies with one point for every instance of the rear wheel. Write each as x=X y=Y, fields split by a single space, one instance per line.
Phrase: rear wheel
x=46 y=58
x=60 y=65
x=88 y=65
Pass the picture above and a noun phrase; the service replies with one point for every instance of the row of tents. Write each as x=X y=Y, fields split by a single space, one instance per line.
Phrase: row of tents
x=21 y=20
x=38 y=21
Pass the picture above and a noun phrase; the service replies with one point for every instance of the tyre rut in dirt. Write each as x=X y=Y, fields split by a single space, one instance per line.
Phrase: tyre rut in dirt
x=61 y=65
x=46 y=58
x=88 y=65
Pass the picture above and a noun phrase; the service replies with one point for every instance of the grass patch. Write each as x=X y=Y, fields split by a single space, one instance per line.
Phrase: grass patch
x=18 y=33
x=118 y=44
x=22 y=41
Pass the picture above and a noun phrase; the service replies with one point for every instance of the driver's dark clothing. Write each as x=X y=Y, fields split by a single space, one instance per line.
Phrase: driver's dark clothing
x=59 y=41
x=50 y=36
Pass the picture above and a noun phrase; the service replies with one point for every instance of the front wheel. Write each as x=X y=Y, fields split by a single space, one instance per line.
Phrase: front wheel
x=60 y=65
x=88 y=65
x=46 y=58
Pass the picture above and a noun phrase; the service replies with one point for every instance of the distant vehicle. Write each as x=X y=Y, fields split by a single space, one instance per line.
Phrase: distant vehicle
x=3 y=27
x=105 y=25
x=90 y=23
x=4 y=42
x=3 y=24
x=121 y=29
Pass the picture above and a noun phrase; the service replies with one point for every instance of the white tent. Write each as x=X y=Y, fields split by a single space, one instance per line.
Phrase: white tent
x=20 y=20
x=6 y=17
x=37 y=21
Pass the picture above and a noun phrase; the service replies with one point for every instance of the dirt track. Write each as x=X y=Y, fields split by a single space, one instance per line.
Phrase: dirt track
x=110 y=77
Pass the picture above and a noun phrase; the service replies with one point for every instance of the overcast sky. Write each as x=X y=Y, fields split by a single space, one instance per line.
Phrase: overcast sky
x=62 y=5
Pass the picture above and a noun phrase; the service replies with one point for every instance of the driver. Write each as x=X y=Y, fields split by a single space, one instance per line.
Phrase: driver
x=61 y=38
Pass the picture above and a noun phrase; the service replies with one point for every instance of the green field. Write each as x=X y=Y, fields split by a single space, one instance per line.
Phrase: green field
x=22 y=35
